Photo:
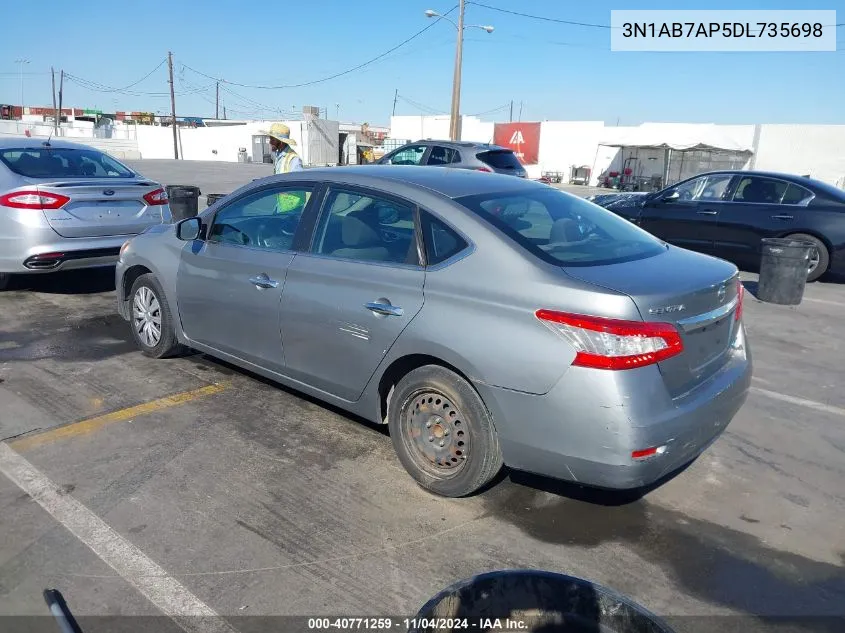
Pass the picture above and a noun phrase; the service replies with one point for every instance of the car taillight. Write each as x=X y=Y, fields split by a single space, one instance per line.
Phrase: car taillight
x=740 y=294
x=33 y=199
x=613 y=343
x=158 y=196
x=484 y=169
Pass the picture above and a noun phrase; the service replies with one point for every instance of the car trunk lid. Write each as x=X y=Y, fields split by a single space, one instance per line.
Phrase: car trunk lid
x=695 y=293
x=101 y=207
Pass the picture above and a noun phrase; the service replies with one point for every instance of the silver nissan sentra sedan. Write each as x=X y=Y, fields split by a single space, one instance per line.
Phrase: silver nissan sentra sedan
x=65 y=205
x=487 y=320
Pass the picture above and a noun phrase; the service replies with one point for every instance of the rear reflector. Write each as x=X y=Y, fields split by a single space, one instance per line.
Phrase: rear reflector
x=484 y=169
x=33 y=199
x=613 y=343
x=156 y=197
x=740 y=294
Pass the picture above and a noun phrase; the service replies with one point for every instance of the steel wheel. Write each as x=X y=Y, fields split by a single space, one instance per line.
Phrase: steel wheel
x=436 y=433
x=146 y=316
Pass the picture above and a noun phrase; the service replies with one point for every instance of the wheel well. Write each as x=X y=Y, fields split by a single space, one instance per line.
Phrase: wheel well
x=130 y=276
x=400 y=368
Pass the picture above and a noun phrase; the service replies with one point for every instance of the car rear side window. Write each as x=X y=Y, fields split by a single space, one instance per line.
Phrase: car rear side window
x=564 y=229
x=359 y=226
x=796 y=194
x=500 y=159
x=441 y=241
x=754 y=189
x=42 y=162
x=443 y=156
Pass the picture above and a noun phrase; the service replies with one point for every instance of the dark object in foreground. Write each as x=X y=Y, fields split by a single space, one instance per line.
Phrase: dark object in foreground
x=184 y=201
x=534 y=602
x=60 y=610
x=783 y=270
x=211 y=198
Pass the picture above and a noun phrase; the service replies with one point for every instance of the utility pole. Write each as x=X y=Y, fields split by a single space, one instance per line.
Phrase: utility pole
x=454 y=119
x=21 y=61
x=520 y=110
x=395 y=97
x=61 y=92
x=217 y=103
x=511 y=115
x=224 y=113
x=55 y=107
x=173 y=106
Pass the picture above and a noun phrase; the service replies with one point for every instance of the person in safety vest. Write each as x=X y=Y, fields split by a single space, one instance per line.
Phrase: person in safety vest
x=285 y=160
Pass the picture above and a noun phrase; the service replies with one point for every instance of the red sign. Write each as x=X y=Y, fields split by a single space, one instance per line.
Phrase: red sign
x=522 y=138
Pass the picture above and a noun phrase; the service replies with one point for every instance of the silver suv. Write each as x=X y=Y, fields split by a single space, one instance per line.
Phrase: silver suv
x=459 y=154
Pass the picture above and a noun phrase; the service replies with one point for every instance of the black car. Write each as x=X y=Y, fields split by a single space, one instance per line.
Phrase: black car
x=459 y=155
x=728 y=213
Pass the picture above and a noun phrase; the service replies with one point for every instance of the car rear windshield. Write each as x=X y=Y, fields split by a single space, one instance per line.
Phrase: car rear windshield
x=500 y=159
x=38 y=162
x=563 y=229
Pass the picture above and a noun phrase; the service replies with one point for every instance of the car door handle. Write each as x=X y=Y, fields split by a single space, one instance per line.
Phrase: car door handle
x=707 y=212
x=263 y=281
x=783 y=217
x=384 y=309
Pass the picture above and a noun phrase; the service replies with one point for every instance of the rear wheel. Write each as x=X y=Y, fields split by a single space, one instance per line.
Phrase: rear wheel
x=152 y=322
x=443 y=433
x=819 y=256
x=5 y=278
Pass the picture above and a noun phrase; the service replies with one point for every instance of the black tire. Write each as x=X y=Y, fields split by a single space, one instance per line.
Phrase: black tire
x=5 y=278
x=471 y=456
x=167 y=344
x=821 y=249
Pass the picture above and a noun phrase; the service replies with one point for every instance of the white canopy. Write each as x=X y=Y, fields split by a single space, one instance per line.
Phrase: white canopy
x=676 y=136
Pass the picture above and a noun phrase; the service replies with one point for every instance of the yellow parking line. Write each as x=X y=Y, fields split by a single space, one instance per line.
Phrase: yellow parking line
x=90 y=425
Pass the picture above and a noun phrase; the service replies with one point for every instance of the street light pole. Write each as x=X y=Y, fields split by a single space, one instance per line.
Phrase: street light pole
x=454 y=118
x=21 y=61
x=455 y=115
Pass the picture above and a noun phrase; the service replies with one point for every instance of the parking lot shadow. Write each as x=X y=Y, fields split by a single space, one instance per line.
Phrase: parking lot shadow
x=72 y=282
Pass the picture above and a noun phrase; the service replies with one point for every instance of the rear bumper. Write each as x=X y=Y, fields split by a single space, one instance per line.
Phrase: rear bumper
x=25 y=254
x=586 y=428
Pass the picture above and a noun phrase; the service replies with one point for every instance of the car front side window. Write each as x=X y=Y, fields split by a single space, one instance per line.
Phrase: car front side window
x=411 y=155
x=267 y=219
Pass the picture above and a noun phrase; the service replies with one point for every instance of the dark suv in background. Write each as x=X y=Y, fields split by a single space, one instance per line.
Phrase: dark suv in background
x=459 y=154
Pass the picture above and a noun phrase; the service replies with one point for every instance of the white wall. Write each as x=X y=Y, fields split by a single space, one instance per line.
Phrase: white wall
x=437 y=127
x=818 y=150
x=567 y=143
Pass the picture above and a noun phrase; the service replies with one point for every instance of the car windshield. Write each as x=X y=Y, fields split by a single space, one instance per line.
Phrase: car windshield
x=563 y=229
x=59 y=162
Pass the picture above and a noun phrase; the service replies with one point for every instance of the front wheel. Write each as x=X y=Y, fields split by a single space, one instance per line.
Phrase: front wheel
x=442 y=432
x=152 y=322
x=819 y=255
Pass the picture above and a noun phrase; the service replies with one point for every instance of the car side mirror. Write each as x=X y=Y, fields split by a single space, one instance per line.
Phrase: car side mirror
x=671 y=197
x=189 y=229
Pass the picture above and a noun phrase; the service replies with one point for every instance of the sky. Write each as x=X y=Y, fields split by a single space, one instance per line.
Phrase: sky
x=549 y=70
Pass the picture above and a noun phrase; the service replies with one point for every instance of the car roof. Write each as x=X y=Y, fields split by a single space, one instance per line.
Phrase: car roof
x=465 y=144
x=25 y=142
x=452 y=183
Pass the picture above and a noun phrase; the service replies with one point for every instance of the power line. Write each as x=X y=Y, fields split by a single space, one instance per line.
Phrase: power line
x=420 y=106
x=330 y=77
x=541 y=17
x=499 y=109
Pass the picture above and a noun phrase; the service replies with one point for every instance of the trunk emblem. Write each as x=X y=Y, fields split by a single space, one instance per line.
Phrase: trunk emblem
x=667 y=309
x=108 y=192
x=722 y=293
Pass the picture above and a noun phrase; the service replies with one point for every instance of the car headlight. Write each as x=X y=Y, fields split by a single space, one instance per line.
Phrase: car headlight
x=124 y=247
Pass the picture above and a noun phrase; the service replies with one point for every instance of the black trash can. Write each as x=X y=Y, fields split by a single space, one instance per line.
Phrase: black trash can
x=783 y=270
x=532 y=601
x=184 y=201
x=213 y=197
